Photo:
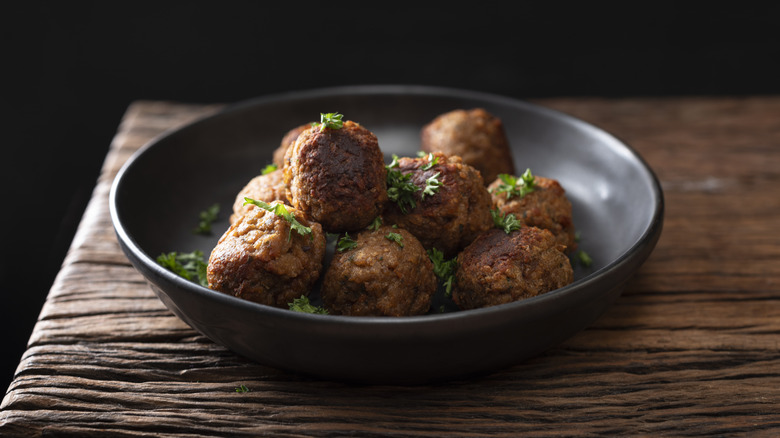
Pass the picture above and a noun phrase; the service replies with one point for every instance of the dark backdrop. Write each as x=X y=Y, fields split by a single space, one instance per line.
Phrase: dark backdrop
x=71 y=68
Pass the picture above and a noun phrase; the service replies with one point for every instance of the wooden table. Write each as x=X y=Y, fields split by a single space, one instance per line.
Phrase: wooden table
x=691 y=347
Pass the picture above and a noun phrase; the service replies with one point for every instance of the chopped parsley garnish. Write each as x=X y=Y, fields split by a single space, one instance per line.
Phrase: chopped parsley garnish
x=302 y=304
x=375 y=224
x=345 y=243
x=513 y=186
x=400 y=188
x=507 y=222
x=393 y=164
x=269 y=168
x=280 y=210
x=432 y=185
x=397 y=238
x=205 y=219
x=331 y=120
x=444 y=269
x=432 y=161
x=242 y=388
x=190 y=266
x=584 y=258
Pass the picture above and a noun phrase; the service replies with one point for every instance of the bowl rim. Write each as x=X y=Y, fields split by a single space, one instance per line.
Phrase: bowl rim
x=647 y=238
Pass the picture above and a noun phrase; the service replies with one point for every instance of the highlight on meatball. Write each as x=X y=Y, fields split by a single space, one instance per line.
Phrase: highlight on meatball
x=268 y=188
x=261 y=258
x=382 y=272
x=475 y=135
x=440 y=200
x=287 y=141
x=538 y=202
x=335 y=174
x=499 y=268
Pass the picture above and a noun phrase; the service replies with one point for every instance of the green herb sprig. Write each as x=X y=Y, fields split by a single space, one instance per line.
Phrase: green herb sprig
x=583 y=258
x=331 y=120
x=375 y=224
x=242 y=388
x=280 y=210
x=303 y=305
x=444 y=269
x=205 y=219
x=513 y=186
x=507 y=222
x=345 y=243
x=400 y=188
x=190 y=266
x=397 y=238
x=432 y=161
x=432 y=185
x=269 y=168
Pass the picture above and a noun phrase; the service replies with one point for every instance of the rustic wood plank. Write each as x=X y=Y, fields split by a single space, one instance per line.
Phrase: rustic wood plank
x=691 y=348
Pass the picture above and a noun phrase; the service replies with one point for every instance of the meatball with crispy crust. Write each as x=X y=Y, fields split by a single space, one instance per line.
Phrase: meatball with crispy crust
x=336 y=176
x=386 y=273
x=267 y=188
x=447 y=217
x=475 y=135
x=546 y=206
x=261 y=259
x=287 y=141
x=499 y=268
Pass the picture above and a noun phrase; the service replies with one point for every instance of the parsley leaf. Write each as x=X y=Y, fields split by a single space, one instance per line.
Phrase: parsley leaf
x=269 y=168
x=331 y=120
x=346 y=243
x=375 y=224
x=302 y=304
x=280 y=210
x=584 y=258
x=513 y=186
x=397 y=238
x=393 y=164
x=400 y=188
x=190 y=266
x=432 y=161
x=444 y=269
x=507 y=222
x=432 y=185
x=242 y=388
x=206 y=218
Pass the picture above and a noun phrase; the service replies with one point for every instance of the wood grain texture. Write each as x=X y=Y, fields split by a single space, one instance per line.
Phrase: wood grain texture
x=691 y=348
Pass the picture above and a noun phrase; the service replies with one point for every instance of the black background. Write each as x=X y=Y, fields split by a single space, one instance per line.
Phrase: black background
x=71 y=68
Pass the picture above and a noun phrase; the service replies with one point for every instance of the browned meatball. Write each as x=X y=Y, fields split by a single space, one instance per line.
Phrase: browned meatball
x=261 y=259
x=267 y=188
x=380 y=276
x=476 y=136
x=454 y=215
x=545 y=207
x=287 y=141
x=499 y=268
x=337 y=176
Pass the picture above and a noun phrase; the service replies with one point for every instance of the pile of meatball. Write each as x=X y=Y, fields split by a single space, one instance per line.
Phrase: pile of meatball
x=334 y=180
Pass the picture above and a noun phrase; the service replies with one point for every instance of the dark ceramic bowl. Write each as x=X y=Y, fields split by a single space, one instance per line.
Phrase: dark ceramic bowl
x=157 y=195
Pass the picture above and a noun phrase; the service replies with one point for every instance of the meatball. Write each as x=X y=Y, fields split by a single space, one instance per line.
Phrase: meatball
x=336 y=176
x=261 y=258
x=454 y=215
x=500 y=268
x=287 y=141
x=476 y=136
x=545 y=207
x=382 y=275
x=267 y=188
